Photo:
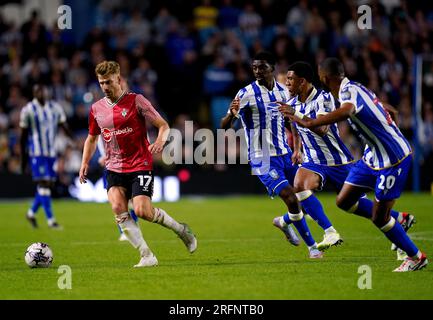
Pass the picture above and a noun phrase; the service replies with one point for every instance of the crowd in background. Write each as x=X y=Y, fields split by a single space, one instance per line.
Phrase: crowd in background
x=189 y=58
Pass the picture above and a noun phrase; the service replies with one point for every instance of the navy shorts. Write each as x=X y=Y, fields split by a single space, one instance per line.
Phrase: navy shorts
x=335 y=174
x=387 y=183
x=43 y=168
x=276 y=174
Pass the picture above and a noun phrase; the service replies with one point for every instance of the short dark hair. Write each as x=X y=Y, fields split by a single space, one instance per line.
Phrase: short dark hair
x=302 y=70
x=332 y=67
x=265 y=56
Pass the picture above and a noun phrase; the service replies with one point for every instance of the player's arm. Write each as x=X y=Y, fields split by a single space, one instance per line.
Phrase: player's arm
x=297 y=144
x=146 y=109
x=89 y=149
x=289 y=112
x=345 y=111
x=23 y=148
x=161 y=139
x=227 y=121
x=393 y=112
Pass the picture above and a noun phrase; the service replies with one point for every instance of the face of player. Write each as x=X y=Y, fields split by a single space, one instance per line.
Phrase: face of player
x=263 y=71
x=38 y=93
x=110 y=85
x=294 y=84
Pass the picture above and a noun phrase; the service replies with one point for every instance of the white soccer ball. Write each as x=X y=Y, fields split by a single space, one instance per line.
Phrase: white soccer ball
x=38 y=255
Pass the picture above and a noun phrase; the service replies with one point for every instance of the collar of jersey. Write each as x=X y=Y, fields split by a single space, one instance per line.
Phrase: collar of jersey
x=344 y=82
x=37 y=104
x=311 y=96
x=111 y=105
x=260 y=86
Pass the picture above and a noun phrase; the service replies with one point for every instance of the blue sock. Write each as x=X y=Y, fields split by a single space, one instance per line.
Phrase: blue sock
x=36 y=202
x=314 y=208
x=133 y=215
x=303 y=230
x=45 y=197
x=365 y=209
x=398 y=236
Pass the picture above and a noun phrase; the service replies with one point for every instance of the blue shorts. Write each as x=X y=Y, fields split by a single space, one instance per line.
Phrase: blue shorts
x=43 y=168
x=276 y=174
x=387 y=183
x=335 y=174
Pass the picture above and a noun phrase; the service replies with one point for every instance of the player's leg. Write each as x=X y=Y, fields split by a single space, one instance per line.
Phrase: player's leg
x=37 y=175
x=118 y=195
x=389 y=185
x=296 y=217
x=360 y=176
x=45 y=186
x=307 y=180
x=142 y=190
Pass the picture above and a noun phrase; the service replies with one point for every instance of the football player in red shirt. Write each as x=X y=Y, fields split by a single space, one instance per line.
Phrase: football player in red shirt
x=120 y=117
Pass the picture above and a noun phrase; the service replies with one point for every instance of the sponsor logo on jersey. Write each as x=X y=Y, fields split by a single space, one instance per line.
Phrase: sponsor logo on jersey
x=107 y=134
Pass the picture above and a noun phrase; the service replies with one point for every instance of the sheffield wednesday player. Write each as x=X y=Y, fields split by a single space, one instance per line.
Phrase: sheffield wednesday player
x=385 y=164
x=268 y=151
x=120 y=117
x=325 y=157
x=39 y=121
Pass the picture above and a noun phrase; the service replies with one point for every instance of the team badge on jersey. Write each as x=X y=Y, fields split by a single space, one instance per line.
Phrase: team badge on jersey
x=345 y=95
x=274 y=174
x=124 y=112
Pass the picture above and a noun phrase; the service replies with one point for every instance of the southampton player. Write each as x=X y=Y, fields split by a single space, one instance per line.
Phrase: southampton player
x=268 y=151
x=39 y=121
x=325 y=157
x=121 y=119
x=386 y=161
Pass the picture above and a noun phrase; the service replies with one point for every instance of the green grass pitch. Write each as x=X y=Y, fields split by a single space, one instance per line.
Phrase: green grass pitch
x=240 y=254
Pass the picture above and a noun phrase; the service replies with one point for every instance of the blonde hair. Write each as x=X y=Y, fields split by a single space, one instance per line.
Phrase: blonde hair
x=106 y=68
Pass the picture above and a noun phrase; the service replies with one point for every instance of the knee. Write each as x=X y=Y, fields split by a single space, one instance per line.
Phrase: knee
x=118 y=207
x=343 y=204
x=288 y=194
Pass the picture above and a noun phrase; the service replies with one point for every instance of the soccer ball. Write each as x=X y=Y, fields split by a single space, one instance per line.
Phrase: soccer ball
x=38 y=255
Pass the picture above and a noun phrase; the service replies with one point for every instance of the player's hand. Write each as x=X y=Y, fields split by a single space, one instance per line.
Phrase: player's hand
x=234 y=107
x=83 y=173
x=285 y=109
x=156 y=147
x=306 y=122
x=296 y=157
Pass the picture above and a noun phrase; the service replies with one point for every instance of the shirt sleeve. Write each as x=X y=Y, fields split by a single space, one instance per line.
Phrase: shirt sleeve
x=243 y=100
x=24 y=118
x=94 y=128
x=61 y=113
x=325 y=104
x=348 y=95
x=146 y=109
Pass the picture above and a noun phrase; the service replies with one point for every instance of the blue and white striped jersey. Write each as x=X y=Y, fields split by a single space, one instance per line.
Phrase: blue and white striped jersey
x=386 y=145
x=328 y=150
x=42 y=122
x=263 y=124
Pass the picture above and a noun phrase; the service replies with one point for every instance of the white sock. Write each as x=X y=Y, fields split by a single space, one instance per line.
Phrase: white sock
x=51 y=221
x=161 y=217
x=282 y=222
x=400 y=217
x=330 y=230
x=30 y=213
x=133 y=233
x=314 y=246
